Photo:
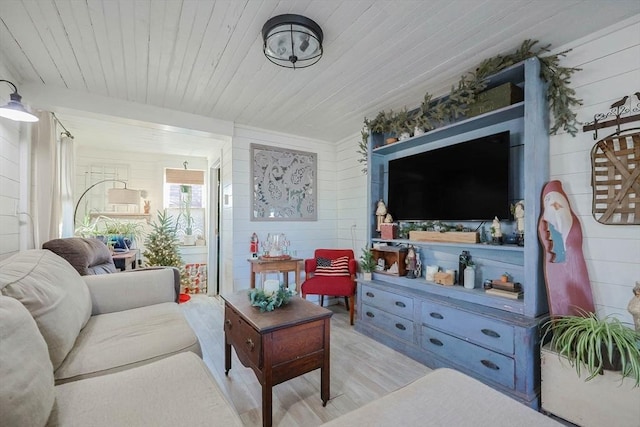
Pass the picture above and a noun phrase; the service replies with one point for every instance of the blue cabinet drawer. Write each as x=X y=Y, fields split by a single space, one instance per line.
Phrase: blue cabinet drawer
x=486 y=363
x=396 y=325
x=472 y=327
x=388 y=301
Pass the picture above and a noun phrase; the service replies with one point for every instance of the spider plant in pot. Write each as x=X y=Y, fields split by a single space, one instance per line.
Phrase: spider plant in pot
x=367 y=263
x=595 y=344
x=186 y=198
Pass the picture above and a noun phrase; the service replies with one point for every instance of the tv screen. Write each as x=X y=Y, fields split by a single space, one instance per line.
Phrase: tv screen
x=462 y=182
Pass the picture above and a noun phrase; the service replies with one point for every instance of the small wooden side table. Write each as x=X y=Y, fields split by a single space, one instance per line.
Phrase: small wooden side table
x=277 y=345
x=284 y=266
x=125 y=260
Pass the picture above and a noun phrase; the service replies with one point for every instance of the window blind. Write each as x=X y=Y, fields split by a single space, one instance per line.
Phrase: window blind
x=184 y=176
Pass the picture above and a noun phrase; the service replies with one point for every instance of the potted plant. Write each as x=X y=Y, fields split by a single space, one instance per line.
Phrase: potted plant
x=367 y=263
x=402 y=126
x=115 y=233
x=420 y=123
x=595 y=344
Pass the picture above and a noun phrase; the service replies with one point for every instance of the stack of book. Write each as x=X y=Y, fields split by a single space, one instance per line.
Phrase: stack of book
x=511 y=290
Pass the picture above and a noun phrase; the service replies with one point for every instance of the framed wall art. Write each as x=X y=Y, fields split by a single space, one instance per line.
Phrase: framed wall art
x=283 y=184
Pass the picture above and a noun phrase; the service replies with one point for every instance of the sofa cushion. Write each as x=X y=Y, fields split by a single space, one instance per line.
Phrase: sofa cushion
x=26 y=374
x=113 y=342
x=53 y=292
x=444 y=398
x=176 y=391
x=87 y=255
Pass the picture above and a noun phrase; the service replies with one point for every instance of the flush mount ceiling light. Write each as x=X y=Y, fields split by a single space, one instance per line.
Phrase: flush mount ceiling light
x=14 y=110
x=292 y=41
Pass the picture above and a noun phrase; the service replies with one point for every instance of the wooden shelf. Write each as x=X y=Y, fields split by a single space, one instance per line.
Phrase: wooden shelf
x=510 y=112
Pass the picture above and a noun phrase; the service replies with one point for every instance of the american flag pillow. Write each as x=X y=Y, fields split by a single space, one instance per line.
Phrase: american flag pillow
x=332 y=267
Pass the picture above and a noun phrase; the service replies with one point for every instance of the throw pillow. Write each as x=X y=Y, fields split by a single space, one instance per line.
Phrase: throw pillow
x=53 y=292
x=332 y=267
x=26 y=375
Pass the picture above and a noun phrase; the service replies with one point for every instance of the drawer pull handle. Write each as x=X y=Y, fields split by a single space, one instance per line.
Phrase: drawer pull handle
x=370 y=314
x=370 y=294
x=250 y=343
x=400 y=304
x=228 y=323
x=490 y=364
x=436 y=315
x=436 y=341
x=490 y=333
x=401 y=326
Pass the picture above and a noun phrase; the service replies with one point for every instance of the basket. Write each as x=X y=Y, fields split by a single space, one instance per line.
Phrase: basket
x=615 y=179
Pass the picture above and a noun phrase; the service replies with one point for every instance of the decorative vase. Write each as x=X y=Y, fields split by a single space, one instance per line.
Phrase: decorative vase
x=367 y=275
x=404 y=135
x=470 y=277
x=189 y=240
x=417 y=131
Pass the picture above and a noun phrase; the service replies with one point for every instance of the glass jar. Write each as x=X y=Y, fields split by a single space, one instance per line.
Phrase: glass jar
x=470 y=277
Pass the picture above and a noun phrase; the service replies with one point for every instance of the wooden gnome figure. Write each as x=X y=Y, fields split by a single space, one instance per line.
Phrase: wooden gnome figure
x=410 y=262
x=381 y=211
x=496 y=231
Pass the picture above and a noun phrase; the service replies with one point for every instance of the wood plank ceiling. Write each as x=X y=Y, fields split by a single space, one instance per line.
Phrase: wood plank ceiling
x=205 y=57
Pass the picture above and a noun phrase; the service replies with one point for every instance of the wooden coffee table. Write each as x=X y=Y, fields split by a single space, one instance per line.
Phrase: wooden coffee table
x=278 y=345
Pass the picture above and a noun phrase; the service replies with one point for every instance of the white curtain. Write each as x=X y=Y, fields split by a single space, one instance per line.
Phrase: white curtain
x=45 y=199
x=66 y=184
x=53 y=175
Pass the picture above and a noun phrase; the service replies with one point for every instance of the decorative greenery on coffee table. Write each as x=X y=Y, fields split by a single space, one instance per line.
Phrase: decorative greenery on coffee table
x=593 y=343
x=434 y=113
x=270 y=301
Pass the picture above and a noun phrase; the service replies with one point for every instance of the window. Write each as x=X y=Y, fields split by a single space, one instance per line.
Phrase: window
x=184 y=199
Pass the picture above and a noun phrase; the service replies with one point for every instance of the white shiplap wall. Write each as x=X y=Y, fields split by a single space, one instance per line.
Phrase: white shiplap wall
x=10 y=175
x=305 y=236
x=610 y=62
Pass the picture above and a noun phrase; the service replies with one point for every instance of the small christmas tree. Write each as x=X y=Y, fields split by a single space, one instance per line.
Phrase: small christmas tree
x=161 y=247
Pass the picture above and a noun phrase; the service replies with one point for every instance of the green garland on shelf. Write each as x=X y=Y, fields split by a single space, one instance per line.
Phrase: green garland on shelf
x=434 y=113
x=270 y=301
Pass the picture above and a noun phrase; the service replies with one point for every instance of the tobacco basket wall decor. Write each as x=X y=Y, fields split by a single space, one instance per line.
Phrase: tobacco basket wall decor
x=615 y=179
x=283 y=184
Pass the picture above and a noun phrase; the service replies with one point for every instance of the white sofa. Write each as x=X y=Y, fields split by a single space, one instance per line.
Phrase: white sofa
x=99 y=350
x=94 y=325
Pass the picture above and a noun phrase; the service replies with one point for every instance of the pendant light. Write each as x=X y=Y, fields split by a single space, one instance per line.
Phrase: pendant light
x=14 y=110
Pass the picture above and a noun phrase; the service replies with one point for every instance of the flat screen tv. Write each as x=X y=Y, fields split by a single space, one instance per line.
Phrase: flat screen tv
x=468 y=181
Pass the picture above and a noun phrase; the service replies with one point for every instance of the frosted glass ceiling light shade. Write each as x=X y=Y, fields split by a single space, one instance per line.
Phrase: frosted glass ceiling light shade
x=292 y=41
x=123 y=196
x=14 y=110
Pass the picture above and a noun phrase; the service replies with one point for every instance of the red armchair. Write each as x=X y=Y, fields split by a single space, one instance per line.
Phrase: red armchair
x=331 y=272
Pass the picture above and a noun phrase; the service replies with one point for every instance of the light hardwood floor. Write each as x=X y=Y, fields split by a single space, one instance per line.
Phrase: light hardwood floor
x=361 y=370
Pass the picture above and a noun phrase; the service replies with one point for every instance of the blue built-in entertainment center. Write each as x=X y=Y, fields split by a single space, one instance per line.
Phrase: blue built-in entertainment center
x=492 y=338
